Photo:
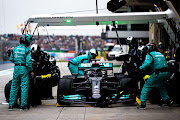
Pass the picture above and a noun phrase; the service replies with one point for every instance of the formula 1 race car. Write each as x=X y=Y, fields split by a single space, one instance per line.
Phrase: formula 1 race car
x=96 y=86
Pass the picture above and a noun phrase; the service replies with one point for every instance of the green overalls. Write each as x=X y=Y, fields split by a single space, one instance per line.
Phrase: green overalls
x=156 y=61
x=21 y=57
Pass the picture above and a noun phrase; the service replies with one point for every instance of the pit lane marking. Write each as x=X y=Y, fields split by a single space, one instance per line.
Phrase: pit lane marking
x=4 y=103
x=6 y=72
x=66 y=105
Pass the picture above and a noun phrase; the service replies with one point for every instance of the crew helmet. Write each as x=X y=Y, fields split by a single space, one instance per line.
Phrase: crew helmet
x=149 y=48
x=35 y=48
x=93 y=53
x=26 y=39
x=132 y=41
x=160 y=45
x=129 y=40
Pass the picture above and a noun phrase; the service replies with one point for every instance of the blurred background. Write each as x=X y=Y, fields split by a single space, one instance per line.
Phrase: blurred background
x=64 y=43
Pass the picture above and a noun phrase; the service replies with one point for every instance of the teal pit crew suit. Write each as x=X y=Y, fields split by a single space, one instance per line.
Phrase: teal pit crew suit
x=21 y=57
x=73 y=64
x=155 y=80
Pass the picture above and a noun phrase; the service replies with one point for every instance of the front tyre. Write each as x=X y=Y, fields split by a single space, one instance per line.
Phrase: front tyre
x=64 y=88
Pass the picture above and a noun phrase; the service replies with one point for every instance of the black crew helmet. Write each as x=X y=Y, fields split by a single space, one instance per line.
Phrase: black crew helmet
x=160 y=45
x=25 y=39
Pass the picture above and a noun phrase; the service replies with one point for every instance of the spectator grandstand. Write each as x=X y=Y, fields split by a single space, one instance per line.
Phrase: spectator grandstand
x=55 y=43
x=61 y=42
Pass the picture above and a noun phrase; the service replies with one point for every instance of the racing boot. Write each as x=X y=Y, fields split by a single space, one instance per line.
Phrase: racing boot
x=10 y=108
x=23 y=108
x=168 y=102
x=141 y=107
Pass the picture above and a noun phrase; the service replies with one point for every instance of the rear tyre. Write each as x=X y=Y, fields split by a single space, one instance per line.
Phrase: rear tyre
x=126 y=88
x=124 y=81
x=67 y=76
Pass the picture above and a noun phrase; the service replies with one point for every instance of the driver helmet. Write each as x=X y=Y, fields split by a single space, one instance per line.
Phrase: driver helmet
x=35 y=48
x=9 y=51
x=93 y=53
x=52 y=60
x=26 y=39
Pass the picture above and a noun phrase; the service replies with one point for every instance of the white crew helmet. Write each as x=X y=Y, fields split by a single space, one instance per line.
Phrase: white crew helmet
x=35 y=48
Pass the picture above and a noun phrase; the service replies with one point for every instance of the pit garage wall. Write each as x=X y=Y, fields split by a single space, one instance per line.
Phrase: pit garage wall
x=158 y=33
x=153 y=33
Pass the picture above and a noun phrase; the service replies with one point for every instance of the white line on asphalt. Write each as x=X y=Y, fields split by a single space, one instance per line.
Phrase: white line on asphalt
x=4 y=103
x=6 y=72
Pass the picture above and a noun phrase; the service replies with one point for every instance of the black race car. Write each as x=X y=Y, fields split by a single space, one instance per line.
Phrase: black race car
x=97 y=86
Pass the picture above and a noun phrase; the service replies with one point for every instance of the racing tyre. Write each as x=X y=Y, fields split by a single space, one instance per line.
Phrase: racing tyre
x=123 y=82
x=128 y=89
x=64 y=88
x=121 y=76
x=67 y=77
x=7 y=90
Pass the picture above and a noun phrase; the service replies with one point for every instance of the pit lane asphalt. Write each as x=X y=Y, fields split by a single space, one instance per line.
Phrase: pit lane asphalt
x=49 y=111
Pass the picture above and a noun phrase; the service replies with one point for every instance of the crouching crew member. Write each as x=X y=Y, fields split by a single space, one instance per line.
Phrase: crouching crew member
x=73 y=64
x=157 y=62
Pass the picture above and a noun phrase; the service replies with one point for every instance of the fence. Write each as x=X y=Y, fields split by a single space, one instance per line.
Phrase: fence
x=4 y=45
